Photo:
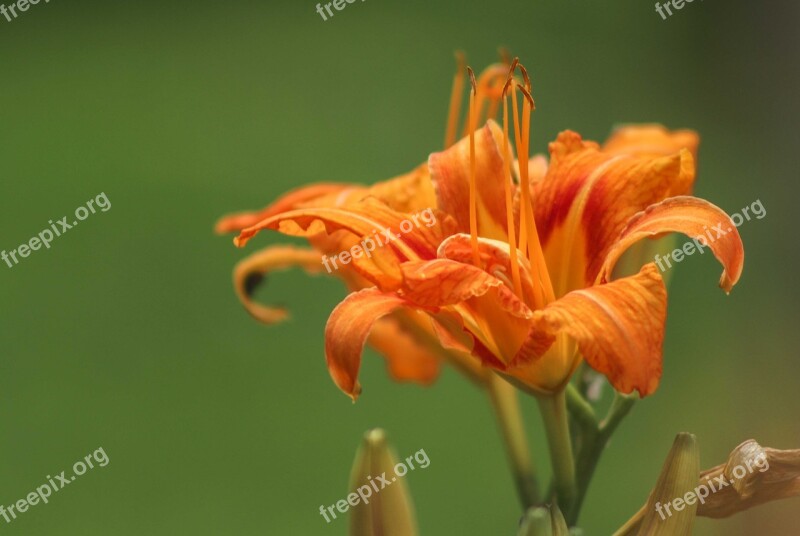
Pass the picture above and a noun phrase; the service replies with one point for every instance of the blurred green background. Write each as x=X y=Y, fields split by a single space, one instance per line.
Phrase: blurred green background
x=126 y=335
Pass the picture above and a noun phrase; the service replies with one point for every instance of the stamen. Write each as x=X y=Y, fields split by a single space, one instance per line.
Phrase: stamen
x=526 y=79
x=534 y=247
x=512 y=239
x=523 y=228
x=541 y=295
x=512 y=66
x=489 y=86
x=473 y=196
x=525 y=214
x=528 y=99
x=455 y=101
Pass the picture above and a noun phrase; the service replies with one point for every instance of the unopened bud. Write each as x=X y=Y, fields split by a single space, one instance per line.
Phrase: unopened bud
x=674 y=492
x=543 y=521
x=383 y=509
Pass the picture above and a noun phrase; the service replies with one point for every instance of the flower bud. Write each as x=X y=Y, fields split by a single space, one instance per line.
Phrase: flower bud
x=383 y=509
x=755 y=475
x=543 y=521
x=672 y=506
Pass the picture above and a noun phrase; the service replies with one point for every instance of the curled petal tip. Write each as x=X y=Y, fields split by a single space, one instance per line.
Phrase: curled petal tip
x=355 y=393
x=692 y=217
x=726 y=282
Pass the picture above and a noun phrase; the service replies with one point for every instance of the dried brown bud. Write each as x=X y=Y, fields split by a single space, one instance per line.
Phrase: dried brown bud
x=752 y=475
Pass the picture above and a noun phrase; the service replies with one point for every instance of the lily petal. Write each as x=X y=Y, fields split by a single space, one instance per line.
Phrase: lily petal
x=407 y=359
x=537 y=169
x=700 y=220
x=588 y=197
x=450 y=172
x=346 y=332
x=427 y=329
x=443 y=282
x=652 y=139
x=250 y=272
x=455 y=337
x=489 y=310
x=289 y=201
x=619 y=329
x=410 y=192
x=369 y=219
x=495 y=259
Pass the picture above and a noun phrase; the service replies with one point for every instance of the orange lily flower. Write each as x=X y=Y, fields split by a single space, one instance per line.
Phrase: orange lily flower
x=406 y=340
x=518 y=269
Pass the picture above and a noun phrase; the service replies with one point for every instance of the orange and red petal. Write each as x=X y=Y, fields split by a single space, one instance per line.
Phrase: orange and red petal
x=708 y=225
x=489 y=310
x=495 y=259
x=347 y=330
x=443 y=282
x=618 y=327
x=450 y=173
x=391 y=237
x=588 y=197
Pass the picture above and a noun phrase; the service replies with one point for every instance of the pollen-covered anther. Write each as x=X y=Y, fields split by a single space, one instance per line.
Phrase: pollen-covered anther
x=528 y=96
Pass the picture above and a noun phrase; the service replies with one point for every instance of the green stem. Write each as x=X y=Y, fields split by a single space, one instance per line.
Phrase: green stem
x=505 y=403
x=579 y=408
x=620 y=408
x=556 y=423
x=594 y=439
